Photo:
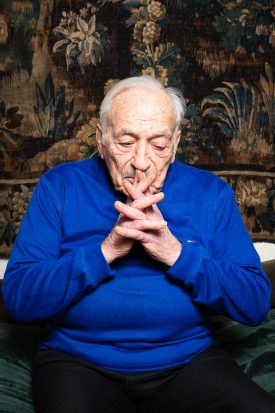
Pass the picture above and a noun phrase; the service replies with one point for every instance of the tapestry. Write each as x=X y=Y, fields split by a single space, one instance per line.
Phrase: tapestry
x=59 y=57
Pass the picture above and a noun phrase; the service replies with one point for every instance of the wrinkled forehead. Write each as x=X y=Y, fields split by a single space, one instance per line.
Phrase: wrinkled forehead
x=143 y=106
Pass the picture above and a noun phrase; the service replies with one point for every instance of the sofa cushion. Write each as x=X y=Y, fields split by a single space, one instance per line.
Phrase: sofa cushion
x=252 y=348
x=17 y=346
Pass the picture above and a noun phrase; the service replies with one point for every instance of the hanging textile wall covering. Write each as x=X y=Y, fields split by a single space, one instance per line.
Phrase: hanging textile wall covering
x=58 y=59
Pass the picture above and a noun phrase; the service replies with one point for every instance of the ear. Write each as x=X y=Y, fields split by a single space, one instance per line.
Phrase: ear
x=176 y=144
x=99 y=142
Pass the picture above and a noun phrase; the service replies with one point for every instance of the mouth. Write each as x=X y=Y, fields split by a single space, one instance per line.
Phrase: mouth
x=139 y=176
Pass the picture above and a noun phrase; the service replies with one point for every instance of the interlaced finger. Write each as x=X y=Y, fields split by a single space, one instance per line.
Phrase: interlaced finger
x=146 y=225
x=138 y=188
x=148 y=200
x=134 y=234
x=128 y=211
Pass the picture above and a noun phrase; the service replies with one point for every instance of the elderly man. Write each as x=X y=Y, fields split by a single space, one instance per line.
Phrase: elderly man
x=126 y=256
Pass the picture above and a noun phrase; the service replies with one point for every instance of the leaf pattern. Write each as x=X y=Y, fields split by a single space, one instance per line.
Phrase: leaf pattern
x=219 y=54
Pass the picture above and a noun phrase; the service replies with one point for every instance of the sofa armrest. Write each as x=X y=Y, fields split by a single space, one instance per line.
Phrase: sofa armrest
x=269 y=268
x=4 y=314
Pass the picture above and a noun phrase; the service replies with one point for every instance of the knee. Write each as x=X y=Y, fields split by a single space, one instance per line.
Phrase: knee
x=265 y=405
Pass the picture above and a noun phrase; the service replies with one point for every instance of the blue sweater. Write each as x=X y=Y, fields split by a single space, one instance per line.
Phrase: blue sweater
x=136 y=314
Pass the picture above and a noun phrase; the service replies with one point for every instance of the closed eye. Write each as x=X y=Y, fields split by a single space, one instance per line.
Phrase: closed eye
x=125 y=144
x=159 y=148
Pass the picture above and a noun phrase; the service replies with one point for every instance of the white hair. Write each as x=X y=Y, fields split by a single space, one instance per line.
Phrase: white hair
x=146 y=82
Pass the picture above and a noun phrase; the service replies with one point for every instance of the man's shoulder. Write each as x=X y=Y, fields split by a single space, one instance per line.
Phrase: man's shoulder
x=198 y=176
x=68 y=170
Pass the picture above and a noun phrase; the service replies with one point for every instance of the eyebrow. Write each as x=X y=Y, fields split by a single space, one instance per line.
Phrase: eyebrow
x=160 y=134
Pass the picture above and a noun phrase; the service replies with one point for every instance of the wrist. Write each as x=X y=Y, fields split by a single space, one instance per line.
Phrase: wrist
x=107 y=253
x=170 y=261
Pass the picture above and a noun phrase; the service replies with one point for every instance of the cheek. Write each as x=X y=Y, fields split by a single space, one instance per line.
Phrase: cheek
x=162 y=165
x=162 y=160
x=117 y=161
x=162 y=169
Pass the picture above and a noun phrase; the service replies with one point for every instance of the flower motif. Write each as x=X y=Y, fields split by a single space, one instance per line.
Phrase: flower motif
x=89 y=41
x=148 y=71
x=162 y=75
x=156 y=10
x=230 y=5
x=69 y=17
x=151 y=32
x=9 y=118
x=138 y=30
x=86 y=138
x=261 y=29
x=242 y=19
x=93 y=9
x=4 y=198
x=19 y=204
x=80 y=39
x=86 y=135
x=251 y=193
x=160 y=72
x=83 y=12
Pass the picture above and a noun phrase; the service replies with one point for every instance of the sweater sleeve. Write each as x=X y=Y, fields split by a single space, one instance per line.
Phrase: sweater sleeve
x=226 y=276
x=40 y=283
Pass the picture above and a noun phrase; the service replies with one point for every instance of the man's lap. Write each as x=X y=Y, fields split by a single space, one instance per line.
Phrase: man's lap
x=212 y=382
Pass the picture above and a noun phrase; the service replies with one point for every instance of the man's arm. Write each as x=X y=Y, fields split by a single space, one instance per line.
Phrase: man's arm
x=39 y=282
x=228 y=278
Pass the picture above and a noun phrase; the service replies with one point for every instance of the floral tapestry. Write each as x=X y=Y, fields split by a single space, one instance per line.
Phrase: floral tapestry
x=59 y=57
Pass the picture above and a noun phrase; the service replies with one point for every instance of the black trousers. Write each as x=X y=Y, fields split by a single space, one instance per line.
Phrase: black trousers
x=211 y=383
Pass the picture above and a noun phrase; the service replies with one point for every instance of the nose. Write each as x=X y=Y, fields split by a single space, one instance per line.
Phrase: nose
x=141 y=159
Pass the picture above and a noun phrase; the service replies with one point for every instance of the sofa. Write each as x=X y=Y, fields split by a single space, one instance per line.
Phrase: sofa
x=252 y=347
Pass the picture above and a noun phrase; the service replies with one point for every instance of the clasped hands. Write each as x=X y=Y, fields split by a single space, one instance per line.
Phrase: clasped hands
x=141 y=220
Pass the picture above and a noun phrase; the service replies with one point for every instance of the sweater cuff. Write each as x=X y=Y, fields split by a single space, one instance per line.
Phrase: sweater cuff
x=96 y=266
x=187 y=262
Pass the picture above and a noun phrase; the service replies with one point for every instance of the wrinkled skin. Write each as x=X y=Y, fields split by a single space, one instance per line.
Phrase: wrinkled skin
x=139 y=146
